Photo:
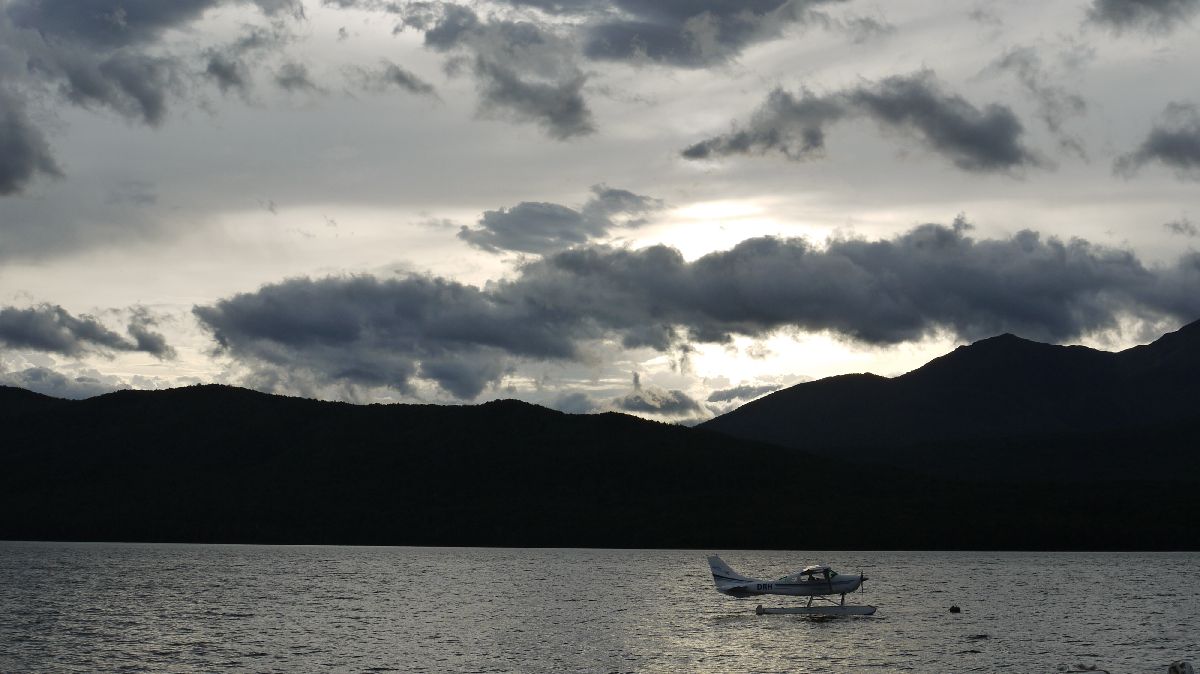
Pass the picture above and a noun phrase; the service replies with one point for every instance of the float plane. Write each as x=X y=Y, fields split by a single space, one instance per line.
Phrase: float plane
x=815 y=582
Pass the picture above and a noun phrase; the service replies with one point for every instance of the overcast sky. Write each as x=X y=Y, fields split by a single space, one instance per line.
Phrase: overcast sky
x=665 y=207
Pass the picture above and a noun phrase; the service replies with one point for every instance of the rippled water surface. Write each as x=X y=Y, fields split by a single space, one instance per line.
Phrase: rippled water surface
x=131 y=607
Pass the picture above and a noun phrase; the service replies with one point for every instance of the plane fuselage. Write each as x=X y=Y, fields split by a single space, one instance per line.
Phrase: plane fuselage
x=839 y=584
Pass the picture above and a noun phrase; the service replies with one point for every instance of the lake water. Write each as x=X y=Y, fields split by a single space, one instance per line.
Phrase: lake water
x=77 y=607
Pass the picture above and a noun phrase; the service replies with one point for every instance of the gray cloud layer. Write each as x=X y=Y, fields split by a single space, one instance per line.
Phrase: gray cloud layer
x=1055 y=102
x=743 y=392
x=1182 y=226
x=382 y=333
x=106 y=54
x=102 y=55
x=50 y=328
x=657 y=401
x=524 y=71
x=1155 y=16
x=1174 y=142
x=389 y=75
x=538 y=227
x=933 y=278
x=24 y=152
x=688 y=33
x=974 y=139
x=49 y=382
x=227 y=65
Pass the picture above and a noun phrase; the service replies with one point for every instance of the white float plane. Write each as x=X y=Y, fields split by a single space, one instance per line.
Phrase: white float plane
x=815 y=582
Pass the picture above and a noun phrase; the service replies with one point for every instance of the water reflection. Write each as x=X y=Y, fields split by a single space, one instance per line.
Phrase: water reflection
x=87 y=607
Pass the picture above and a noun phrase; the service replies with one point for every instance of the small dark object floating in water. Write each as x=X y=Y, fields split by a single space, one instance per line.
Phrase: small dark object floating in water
x=955 y=609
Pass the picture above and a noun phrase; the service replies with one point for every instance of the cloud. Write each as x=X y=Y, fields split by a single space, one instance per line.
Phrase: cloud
x=524 y=71
x=743 y=392
x=688 y=34
x=229 y=72
x=539 y=227
x=102 y=56
x=389 y=75
x=1055 y=103
x=105 y=23
x=115 y=54
x=928 y=280
x=1182 y=226
x=52 y=329
x=574 y=402
x=56 y=384
x=863 y=29
x=24 y=152
x=654 y=400
x=933 y=279
x=557 y=106
x=145 y=339
x=226 y=65
x=974 y=139
x=657 y=401
x=1151 y=16
x=132 y=84
x=1174 y=142
x=382 y=332
x=294 y=77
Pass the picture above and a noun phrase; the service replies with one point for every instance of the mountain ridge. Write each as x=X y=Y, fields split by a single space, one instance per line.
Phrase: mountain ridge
x=1003 y=387
x=216 y=463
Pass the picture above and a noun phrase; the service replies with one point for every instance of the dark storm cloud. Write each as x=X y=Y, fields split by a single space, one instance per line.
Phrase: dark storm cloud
x=1173 y=142
x=557 y=106
x=105 y=23
x=538 y=227
x=389 y=75
x=145 y=339
x=974 y=139
x=681 y=33
x=531 y=227
x=1155 y=16
x=119 y=23
x=383 y=333
x=24 y=152
x=929 y=280
x=110 y=53
x=523 y=70
x=52 y=329
x=132 y=84
x=791 y=125
x=743 y=392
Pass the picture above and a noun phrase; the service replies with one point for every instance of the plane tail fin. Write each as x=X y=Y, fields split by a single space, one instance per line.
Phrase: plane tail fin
x=722 y=572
